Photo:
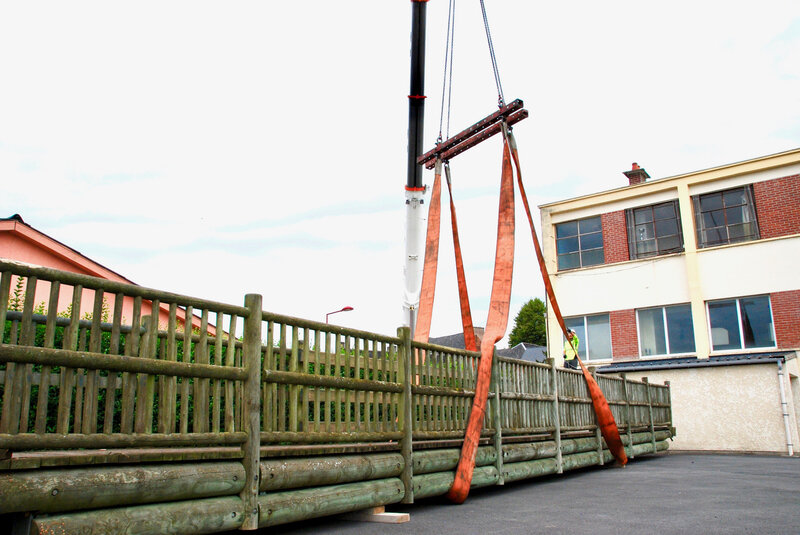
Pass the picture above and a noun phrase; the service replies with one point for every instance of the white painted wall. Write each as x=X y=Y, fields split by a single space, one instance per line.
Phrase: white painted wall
x=635 y=284
x=750 y=268
x=727 y=408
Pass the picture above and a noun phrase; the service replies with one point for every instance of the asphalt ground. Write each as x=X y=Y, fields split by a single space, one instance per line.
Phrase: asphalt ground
x=664 y=494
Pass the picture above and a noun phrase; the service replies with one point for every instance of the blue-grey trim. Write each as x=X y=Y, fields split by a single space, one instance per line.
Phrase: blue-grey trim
x=694 y=362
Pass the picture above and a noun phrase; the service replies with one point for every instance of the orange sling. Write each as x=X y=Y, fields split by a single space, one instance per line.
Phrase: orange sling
x=605 y=418
x=463 y=297
x=423 y=328
x=425 y=313
x=495 y=329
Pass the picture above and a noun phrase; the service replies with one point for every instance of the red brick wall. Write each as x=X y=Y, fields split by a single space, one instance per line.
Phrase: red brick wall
x=786 y=316
x=777 y=206
x=615 y=237
x=624 y=342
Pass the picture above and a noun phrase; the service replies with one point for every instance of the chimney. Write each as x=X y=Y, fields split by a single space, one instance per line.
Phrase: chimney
x=636 y=175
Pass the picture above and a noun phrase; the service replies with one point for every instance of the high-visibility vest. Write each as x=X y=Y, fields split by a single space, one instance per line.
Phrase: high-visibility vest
x=571 y=350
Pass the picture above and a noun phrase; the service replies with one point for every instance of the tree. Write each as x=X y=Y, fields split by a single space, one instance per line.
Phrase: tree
x=529 y=325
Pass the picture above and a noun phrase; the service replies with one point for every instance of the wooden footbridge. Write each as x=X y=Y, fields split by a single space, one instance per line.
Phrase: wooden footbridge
x=117 y=418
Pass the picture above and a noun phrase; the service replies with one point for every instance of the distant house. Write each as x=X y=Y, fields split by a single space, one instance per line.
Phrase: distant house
x=21 y=242
x=525 y=351
x=521 y=351
x=691 y=279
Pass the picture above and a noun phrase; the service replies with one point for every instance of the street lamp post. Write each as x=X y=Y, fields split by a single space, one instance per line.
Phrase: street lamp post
x=345 y=309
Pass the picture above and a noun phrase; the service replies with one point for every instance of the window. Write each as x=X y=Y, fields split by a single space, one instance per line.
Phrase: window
x=725 y=217
x=594 y=334
x=665 y=330
x=741 y=323
x=580 y=243
x=654 y=230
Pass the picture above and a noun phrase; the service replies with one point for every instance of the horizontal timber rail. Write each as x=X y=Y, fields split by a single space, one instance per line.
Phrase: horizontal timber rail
x=107 y=386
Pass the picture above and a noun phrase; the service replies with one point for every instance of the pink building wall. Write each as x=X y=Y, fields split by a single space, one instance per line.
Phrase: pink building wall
x=22 y=243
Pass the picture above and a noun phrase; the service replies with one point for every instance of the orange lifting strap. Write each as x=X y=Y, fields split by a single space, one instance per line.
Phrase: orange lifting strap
x=497 y=320
x=422 y=329
x=605 y=418
x=495 y=329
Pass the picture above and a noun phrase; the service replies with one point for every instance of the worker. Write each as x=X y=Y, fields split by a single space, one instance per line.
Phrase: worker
x=571 y=350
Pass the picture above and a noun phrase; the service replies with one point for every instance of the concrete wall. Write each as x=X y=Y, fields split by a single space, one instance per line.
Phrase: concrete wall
x=730 y=408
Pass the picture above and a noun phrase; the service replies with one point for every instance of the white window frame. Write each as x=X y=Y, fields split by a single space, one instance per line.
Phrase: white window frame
x=669 y=352
x=741 y=347
x=584 y=343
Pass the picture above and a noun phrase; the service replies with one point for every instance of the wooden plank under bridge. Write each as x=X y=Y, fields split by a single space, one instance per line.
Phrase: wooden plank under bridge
x=113 y=414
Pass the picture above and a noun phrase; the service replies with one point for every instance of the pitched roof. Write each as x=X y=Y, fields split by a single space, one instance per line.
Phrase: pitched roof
x=521 y=351
x=525 y=351
x=20 y=230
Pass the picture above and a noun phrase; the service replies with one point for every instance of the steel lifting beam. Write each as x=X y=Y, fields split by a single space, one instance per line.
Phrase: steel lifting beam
x=478 y=132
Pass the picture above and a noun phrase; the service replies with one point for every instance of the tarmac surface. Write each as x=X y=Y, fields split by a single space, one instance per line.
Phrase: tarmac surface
x=664 y=494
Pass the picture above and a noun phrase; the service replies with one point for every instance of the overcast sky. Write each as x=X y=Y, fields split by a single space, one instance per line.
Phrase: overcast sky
x=216 y=149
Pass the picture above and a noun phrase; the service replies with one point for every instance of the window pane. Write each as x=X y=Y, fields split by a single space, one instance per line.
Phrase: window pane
x=667 y=227
x=714 y=237
x=593 y=257
x=591 y=241
x=739 y=232
x=734 y=197
x=643 y=215
x=576 y=324
x=664 y=211
x=645 y=232
x=724 y=325
x=651 y=332
x=599 y=337
x=735 y=215
x=757 y=322
x=714 y=219
x=569 y=261
x=712 y=201
x=666 y=245
x=567 y=229
x=567 y=245
x=680 y=329
x=592 y=224
x=645 y=248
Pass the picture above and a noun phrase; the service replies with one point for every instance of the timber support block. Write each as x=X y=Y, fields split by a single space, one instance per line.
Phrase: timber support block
x=378 y=515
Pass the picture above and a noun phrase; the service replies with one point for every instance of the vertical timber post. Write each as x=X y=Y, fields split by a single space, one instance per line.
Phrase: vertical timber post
x=251 y=413
x=497 y=419
x=627 y=415
x=650 y=412
x=597 y=433
x=556 y=413
x=669 y=402
x=406 y=413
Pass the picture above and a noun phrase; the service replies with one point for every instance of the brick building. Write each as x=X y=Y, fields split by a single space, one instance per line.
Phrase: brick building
x=691 y=278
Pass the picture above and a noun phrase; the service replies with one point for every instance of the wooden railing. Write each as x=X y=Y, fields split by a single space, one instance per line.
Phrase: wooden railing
x=193 y=379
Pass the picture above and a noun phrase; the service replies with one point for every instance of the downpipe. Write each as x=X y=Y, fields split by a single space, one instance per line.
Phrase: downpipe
x=784 y=409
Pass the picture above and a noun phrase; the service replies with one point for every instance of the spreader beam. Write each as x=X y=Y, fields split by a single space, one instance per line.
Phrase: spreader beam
x=478 y=132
